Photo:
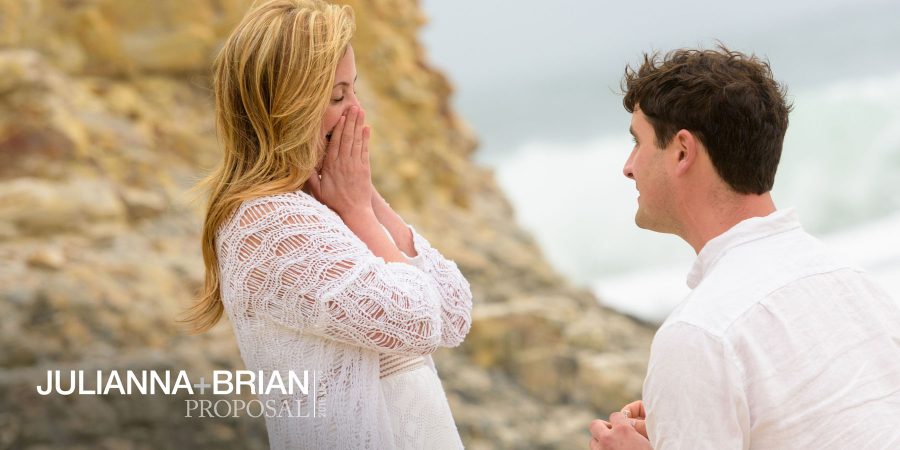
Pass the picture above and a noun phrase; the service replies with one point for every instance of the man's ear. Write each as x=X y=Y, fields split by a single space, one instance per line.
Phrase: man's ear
x=685 y=146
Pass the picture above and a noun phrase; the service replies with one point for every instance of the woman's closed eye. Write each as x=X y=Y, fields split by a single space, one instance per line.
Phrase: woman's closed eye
x=343 y=91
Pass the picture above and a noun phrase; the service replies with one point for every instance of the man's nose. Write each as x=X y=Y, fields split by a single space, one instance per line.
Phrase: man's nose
x=627 y=170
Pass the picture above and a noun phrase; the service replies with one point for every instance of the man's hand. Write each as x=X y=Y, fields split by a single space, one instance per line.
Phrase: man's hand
x=617 y=434
x=638 y=417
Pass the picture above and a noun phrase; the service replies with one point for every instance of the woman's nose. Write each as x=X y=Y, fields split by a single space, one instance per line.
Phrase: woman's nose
x=351 y=105
x=354 y=101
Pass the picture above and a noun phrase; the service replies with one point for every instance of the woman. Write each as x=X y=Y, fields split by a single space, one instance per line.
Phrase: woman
x=315 y=270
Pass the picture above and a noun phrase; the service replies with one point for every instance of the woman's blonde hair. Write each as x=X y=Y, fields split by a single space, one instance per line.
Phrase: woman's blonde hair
x=273 y=80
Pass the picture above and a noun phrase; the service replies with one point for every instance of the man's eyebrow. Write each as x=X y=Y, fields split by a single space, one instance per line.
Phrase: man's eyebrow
x=344 y=83
x=631 y=130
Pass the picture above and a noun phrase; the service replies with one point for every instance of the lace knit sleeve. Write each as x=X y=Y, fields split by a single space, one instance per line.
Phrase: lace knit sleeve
x=292 y=260
x=456 y=295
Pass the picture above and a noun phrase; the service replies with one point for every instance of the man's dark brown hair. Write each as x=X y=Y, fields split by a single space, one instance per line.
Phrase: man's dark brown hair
x=728 y=100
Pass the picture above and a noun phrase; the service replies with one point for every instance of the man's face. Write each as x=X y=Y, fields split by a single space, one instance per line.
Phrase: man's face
x=646 y=166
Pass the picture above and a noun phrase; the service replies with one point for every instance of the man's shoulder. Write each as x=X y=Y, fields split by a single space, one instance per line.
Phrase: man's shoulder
x=747 y=275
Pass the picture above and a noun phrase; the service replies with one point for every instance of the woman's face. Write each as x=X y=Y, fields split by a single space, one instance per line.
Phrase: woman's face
x=343 y=94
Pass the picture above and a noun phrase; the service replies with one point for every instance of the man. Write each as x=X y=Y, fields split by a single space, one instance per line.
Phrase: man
x=781 y=344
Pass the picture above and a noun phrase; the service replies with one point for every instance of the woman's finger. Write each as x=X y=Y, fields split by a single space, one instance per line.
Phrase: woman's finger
x=333 y=148
x=357 y=134
x=364 y=151
x=348 y=133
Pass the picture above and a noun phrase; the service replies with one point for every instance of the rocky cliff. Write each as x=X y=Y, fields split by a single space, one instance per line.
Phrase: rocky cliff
x=106 y=119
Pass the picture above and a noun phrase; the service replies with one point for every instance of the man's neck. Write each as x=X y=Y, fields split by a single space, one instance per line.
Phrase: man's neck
x=712 y=218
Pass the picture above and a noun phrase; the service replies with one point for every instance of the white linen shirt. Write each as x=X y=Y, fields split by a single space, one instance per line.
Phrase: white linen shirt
x=780 y=345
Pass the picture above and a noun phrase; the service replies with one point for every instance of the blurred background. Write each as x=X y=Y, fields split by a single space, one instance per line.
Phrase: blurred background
x=540 y=86
x=106 y=121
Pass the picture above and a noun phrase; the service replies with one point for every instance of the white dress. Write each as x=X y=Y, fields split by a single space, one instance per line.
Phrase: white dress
x=417 y=406
x=303 y=293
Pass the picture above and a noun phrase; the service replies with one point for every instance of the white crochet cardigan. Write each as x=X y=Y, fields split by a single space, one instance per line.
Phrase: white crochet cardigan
x=304 y=293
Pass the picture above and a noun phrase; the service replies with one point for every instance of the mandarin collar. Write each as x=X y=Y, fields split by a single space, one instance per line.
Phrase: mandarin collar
x=745 y=231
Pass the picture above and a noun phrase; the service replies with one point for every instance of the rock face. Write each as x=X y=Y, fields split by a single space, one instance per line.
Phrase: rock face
x=106 y=119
